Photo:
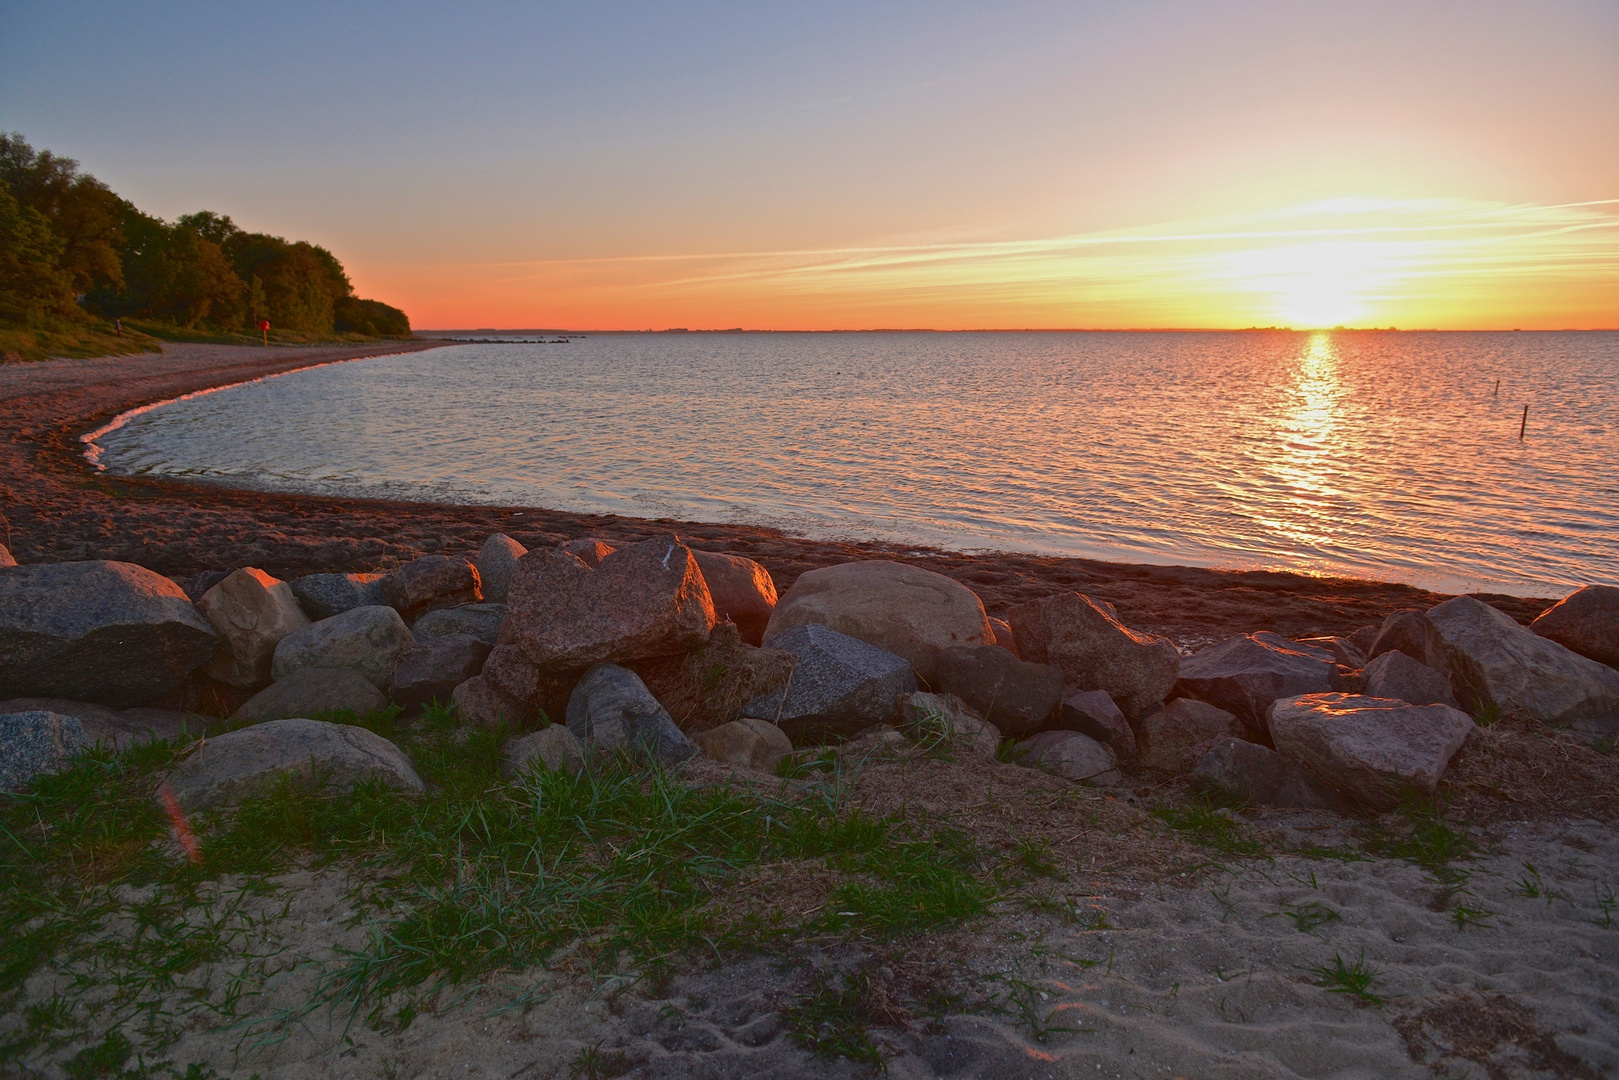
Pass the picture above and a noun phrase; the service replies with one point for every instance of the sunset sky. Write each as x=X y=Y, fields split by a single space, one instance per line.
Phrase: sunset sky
x=1418 y=164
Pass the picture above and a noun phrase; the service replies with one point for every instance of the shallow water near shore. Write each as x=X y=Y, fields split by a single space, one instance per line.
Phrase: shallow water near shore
x=1380 y=455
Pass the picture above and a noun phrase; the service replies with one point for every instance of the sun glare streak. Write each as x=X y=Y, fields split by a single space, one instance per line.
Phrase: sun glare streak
x=1302 y=442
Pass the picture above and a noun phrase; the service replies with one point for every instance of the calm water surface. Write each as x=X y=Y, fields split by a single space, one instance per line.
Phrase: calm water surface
x=1374 y=454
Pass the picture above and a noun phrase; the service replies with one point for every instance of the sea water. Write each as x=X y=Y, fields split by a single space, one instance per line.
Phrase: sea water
x=1373 y=454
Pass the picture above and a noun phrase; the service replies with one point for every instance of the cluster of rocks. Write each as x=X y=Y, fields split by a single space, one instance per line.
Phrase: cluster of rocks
x=657 y=650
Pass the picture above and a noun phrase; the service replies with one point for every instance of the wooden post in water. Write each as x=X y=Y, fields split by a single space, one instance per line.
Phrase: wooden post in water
x=1498 y=388
x=1525 y=425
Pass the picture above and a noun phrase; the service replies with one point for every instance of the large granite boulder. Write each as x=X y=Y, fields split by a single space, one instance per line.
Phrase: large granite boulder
x=1586 y=622
x=429 y=583
x=1016 y=696
x=240 y=764
x=611 y=710
x=1376 y=751
x=1072 y=756
x=1004 y=637
x=708 y=686
x=496 y=563
x=117 y=728
x=324 y=595
x=742 y=591
x=590 y=550
x=645 y=600
x=197 y=585
x=36 y=742
x=1093 y=713
x=108 y=632
x=1084 y=639
x=431 y=670
x=840 y=685
x=1492 y=660
x=1344 y=652
x=945 y=718
x=749 y=742
x=1243 y=675
x=481 y=621
x=1410 y=632
x=898 y=608
x=309 y=691
x=1256 y=775
x=553 y=748
x=477 y=701
x=1395 y=675
x=1175 y=738
x=251 y=611
x=369 y=640
x=536 y=691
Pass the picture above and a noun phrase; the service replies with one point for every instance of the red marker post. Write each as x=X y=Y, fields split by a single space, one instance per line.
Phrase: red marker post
x=264 y=328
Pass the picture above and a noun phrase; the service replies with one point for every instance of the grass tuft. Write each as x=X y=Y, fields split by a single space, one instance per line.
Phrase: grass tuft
x=1213 y=826
x=1354 y=980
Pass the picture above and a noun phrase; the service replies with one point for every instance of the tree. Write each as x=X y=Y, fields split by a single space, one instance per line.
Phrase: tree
x=32 y=282
x=80 y=210
x=356 y=316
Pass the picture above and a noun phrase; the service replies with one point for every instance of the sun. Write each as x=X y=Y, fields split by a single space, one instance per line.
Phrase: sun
x=1314 y=285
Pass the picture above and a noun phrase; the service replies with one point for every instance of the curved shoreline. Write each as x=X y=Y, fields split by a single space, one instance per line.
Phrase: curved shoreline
x=58 y=507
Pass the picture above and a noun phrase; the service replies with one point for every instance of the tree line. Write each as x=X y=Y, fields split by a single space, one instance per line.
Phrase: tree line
x=69 y=245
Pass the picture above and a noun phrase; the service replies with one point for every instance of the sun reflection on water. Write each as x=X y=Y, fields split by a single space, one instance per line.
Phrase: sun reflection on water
x=1305 y=439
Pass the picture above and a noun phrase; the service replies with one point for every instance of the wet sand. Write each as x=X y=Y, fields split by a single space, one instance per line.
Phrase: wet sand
x=57 y=507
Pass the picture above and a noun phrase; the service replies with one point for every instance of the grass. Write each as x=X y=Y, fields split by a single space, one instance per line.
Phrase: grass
x=1307 y=918
x=1353 y=980
x=1204 y=821
x=616 y=865
x=835 y=1018
x=69 y=337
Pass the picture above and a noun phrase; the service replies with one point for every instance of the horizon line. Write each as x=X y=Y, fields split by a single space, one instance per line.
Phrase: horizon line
x=1036 y=330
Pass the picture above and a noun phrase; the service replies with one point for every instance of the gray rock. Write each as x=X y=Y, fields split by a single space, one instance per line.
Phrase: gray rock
x=6 y=559
x=324 y=595
x=198 y=584
x=431 y=671
x=590 y=550
x=749 y=742
x=1374 y=750
x=481 y=621
x=933 y=718
x=429 y=583
x=1093 y=713
x=554 y=748
x=251 y=611
x=496 y=563
x=1175 y=738
x=1492 y=660
x=36 y=742
x=308 y=692
x=478 y=702
x=840 y=686
x=240 y=764
x=1586 y=622
x=1363 y=639
x=1016 y=696
x=1072 y=756
x=1395 y=675
x=1343 y=651
x=114 y=728
x=1243 y=675
x=1004 y=637
x=742 y=591
x=369 y=640
x=611 y=710
x=1258 y=776
x=1410 y=632
x=108 y=632
x=1084 y=639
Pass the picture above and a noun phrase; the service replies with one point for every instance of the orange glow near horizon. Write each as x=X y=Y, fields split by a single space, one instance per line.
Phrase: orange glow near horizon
x=1447 y=264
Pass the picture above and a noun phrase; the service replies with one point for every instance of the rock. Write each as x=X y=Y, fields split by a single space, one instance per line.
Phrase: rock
x=742 y=591
x=1586 y=622
x=708 y=686
x=1175 y=738
x=197 y=585
x=478 y=702
x=901 y=609
x=540 y=695
x=1343 y=651
x=1493 y=661
x=251 y=611
x=1072 y=756
x=1410 y=632
x=1083 y=639
x=1363 y=639
x=1256 y=775
x=840 y=685
x=240 y=764
x=481 y=621
x=1243 y=675
x=1016 y=696
x=750 y=742
x=554 y=748
x=1395 y=675
x=6 y=558
x=1002 y=630
x=1374 y=750
x=116 y=728
x=108 y=632
x=369 y=640
x=36 y=742
x=590 y=550
x=496 y=563
x=931 y=718
x=431 y=671
x=429 y=583
x=308 y=692
x=324 y=595
x=644 y=600
x=1093 y=713
x=611 y=710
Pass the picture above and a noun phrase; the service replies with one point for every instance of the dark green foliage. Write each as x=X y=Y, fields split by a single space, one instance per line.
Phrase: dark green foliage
x=1354 y=980
x=833 y=1019
x=32 y=281
x=370 y=317
x=1205 y=822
